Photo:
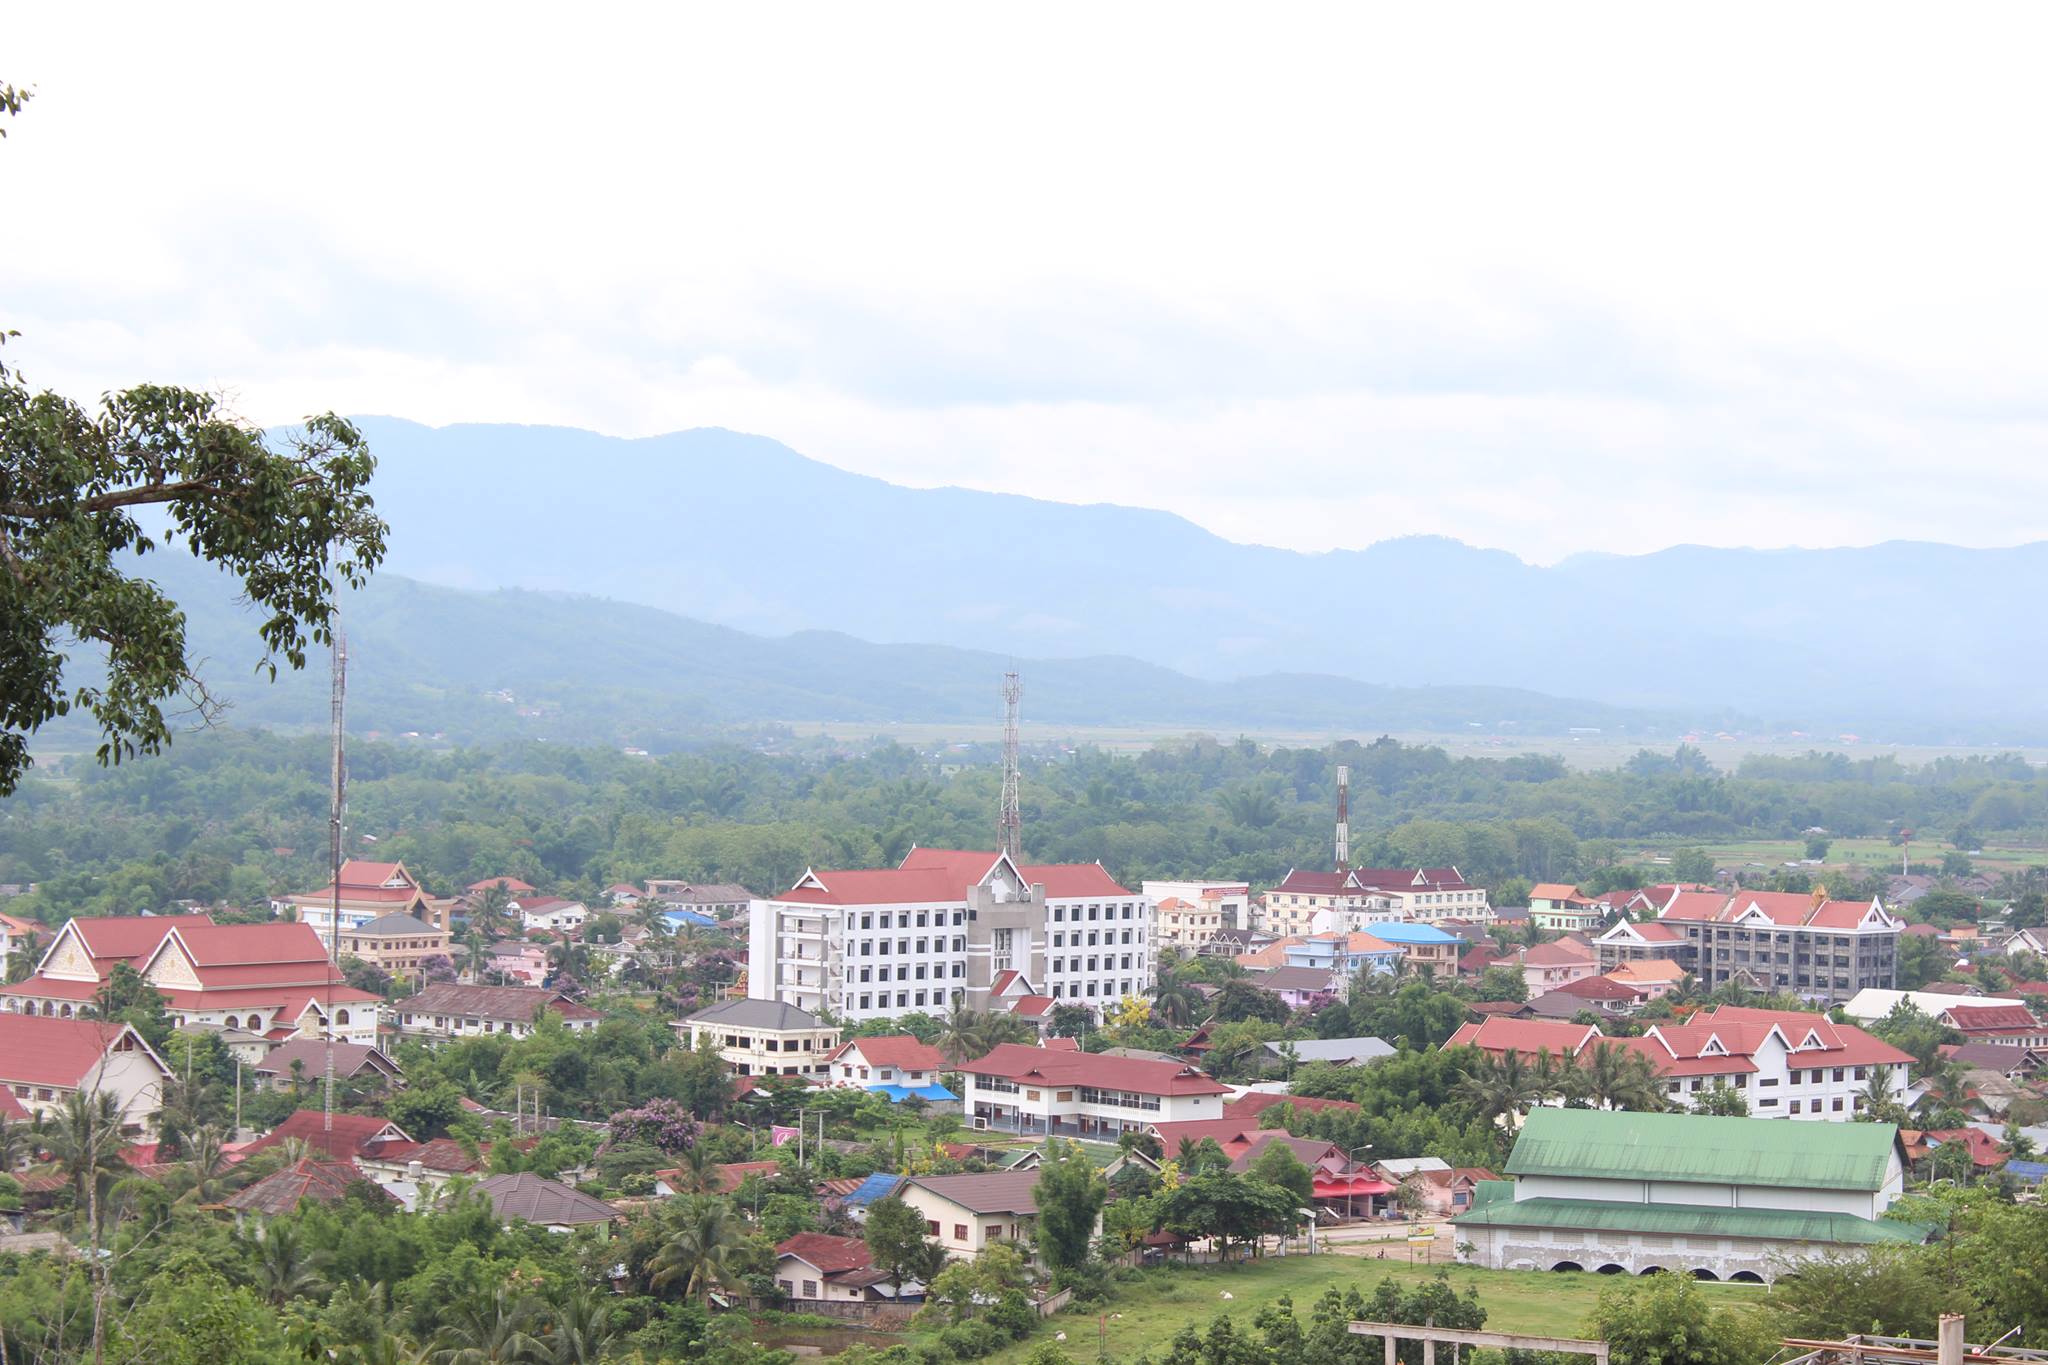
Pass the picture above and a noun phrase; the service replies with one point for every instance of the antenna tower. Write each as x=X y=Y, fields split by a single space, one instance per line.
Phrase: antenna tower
x=1343 y=820
x=1010 y=822
x=336 y=808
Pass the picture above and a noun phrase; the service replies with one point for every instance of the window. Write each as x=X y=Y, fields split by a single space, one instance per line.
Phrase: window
x=931 y=1226
x=959 y=1231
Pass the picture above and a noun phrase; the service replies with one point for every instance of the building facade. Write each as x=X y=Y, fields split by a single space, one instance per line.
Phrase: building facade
x=1229 y=902
x=396 y=944
x=1818 y=949
x=1069 y=1093
x=764 y=1038
x=1364 y=896
x=1783 y=1063
x=1718 y=1198
x=944 y=926
x=456 y=1011
x=43 y=1062
x=366 y=891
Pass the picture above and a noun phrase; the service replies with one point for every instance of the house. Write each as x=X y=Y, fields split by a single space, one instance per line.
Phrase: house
x=1335 y=1051
x=1784 y=1063
x=1499 y=1035
x=449 y=1010
x=304 y=1061
x=1653 y=978
x=965 y=1213
x=1360 y=897
x=623 y=895
x=1986 y=1154
x=1209 y=907
x=813 y=1267
x=895 y=1060
x=2033 y=941
x=1234 y=943
x=1873 y=1004
x=1717 y=1198
x=364 y=891
x=2002 y=1059
x=1080 y=1094
x=83 y=954
x=1602 y=994
x=945 y=925
x=395 y=943
x=1447 y=1192
x=19 y=935
x=44 y=1061
x=1981 y=1022
x=1546 y=966
x=511 y=886
x=343 y=1137
x=1345 y=954
x=563 y=918
x=517 y=962
x=716 y=900
x=1302 y=987
x=1425 y=949
x=323 y=1182
x=763 y=1038
x=529 y=1198
x=1561 y=908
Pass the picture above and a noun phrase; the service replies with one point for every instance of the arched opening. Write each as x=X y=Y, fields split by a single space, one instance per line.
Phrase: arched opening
x=255 y=1023
x=65 y=1013
x=1567 y=1265
x=1651 y=1270
x=1612 y=1269
x=341 y=1016
x=1705 y=1275
x=1746 y=1277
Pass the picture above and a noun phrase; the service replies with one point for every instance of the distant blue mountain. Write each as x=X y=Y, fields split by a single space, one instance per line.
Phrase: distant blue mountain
x=1900 y=640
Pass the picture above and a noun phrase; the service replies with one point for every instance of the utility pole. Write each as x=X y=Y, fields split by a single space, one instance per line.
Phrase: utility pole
x=1010 y=821
x=336 y=807
x=1343 y=820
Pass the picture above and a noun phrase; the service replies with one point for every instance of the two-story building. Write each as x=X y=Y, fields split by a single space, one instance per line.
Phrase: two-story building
x=1716 y=1198
x=1204 y=910
x=1547 y=966
x=364 y=891
x=1425 y=949
x=1361 y=897
x=1562 y=908
x=897 y=1059
x=563 y=918
x=44 y=1061
x=396 y=944
x=764 y=1038
x=966 y=1213
x=450 y=1010
x=946 y=925
x=1083 y=1094
x=1345 y=954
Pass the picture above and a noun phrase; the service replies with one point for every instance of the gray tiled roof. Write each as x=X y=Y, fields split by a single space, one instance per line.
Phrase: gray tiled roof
x=768 y=1014
x=545 y=1202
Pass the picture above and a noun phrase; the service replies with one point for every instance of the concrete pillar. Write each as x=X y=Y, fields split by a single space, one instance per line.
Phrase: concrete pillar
x=1948 y=1340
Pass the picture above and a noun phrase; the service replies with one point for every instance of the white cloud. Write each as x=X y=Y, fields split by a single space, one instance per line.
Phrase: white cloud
x=1312 y=278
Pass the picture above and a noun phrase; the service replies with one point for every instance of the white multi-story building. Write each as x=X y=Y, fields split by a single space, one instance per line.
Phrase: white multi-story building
x=874 y=943
x=1364 y=896
x=1067 y=1092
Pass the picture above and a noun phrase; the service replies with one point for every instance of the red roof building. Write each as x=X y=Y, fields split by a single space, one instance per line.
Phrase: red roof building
x=1771 y=941
x=342 y=1137
x=323 y=1182
x=2014 y=1024
x=1084 y=1094
x=1500 y=1035
x=43 y=1061
x=1358 y=898
x=896 y=1059
x=1785 y=1064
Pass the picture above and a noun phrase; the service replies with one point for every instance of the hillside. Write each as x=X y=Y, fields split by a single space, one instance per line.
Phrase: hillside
x=425 y=657
x=741 y=531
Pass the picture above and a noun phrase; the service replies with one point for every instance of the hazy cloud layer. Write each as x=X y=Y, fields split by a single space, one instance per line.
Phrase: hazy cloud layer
x=1747 y=276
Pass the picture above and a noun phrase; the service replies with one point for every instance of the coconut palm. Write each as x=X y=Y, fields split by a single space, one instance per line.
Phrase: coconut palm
x=704 y=1250
x=581 y=1329
x=1610 y=1076
x=500 y=1330
x=86 y=1141
x=696 y=1171
x=286 y=1268
x=963 y=1034
x=204 y=1160
x=1501 y=1088
x=1175 y=1001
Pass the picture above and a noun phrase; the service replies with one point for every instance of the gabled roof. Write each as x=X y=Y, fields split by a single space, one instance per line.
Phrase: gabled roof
x=547 y=1203
x=36 y=1049
x=1703 y=1149
x=1649 y=931
x=1048 y=1066
x=1299 y=979
x=341 y=1136
x=991 y=1192
x=1498 y=1034
x=311 y=1053
x=936 y=876
x=124 y=938
x=1995 y=1018
x=895 y=1049
x=358 y=872
x=324 y=1182
x=825 y=1253
x=511 y=884
x=1559 y=954
x=1647 y=971
x=510 y=1004
x=1599 y=988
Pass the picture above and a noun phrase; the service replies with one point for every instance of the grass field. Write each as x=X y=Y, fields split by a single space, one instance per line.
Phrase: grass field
x=1143 y=1316
x=1862 y=854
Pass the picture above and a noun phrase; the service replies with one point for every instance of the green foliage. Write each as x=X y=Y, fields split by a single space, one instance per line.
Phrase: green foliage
x=1663 y=1319
x=1069 y=1195
x=894 y=1232
x=1279 y=1166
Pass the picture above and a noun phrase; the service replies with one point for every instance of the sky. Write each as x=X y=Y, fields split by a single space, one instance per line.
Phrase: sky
x=1548 y=279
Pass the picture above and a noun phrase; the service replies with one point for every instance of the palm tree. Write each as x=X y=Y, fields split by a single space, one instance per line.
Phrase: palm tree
x=499 y=1330
x=1175 y=1002
x=1613 y=1077
x=704 y=1250
x=963 y=1035
x=87 y=1142
x=285 y=1268
x=696 y=1171
x=581 y=1330
x=17 y=1143
x=1501 y=1088
x=203 y=1159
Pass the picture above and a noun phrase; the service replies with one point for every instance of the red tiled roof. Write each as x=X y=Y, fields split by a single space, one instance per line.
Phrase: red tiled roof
x=1499 y=1034
x=942 y=876
x=831 y=1255
x=1252 y=1103
x=1788 y=908
x=1046 y=1066
x=324 y=1182
x=733 y=1174
x=351 y=1135
x=236 y=945
x=358 y=872
x=896 y=1049
x=509 y=883
x=38 y=1050
x=1599 y=988
x=1032 y=1006
x=1984 y=1149
x=124 y=938
x=1992 y=1018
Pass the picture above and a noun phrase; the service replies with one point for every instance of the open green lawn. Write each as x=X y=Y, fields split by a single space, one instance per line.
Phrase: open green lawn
x=1143 y=1316
x=1862 y=853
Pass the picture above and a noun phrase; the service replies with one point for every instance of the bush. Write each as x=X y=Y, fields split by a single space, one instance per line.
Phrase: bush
x=973 y=1340
x=1012 y=1315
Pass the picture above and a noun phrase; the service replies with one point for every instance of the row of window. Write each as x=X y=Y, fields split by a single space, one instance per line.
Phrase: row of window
x=903 y=973
x=879 y=947
x=1128 y=910
x=1060 y=940
x=1073 y=964
x=1074 y=991
x=911 y=919
x=905 y=999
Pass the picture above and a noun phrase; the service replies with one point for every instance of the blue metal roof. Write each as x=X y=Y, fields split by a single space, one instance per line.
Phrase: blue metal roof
x=899 y=1093
x=1406 y=931
x=2030 y=1171
x=690 y=917
x=875 y=1187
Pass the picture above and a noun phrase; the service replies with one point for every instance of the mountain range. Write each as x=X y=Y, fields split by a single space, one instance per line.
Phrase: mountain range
x=1900 y=640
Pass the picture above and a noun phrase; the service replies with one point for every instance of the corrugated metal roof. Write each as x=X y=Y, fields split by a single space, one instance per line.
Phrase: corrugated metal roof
x=1681 y=1220
x=1603 y=1144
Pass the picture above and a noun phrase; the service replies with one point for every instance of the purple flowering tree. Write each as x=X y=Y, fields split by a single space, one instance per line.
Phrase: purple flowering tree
x=663 y=1123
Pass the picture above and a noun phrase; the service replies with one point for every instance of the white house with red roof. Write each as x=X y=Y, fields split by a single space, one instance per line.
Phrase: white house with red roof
x=1084 y=1094
x=1784 y=1063
x=1364 y=896
x=83 y=955
x=367 y=891
x=552 y=913
x=896 y=1059
x=1772 y=941
x=1980 y=1021
x=872 y=943
x=1499 y=1035
x=44 y=1061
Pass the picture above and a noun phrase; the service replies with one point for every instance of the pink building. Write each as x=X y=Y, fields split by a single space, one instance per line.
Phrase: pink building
x=519 y=964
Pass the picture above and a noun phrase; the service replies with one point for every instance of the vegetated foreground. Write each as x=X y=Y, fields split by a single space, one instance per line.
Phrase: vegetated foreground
x=1141 y=1317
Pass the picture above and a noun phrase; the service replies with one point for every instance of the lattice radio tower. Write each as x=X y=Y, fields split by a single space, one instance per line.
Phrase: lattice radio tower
x=337 y=806
x=1010 y=820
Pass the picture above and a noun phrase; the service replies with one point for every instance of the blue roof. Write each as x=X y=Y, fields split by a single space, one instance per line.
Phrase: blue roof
x=2029 y=1171
x=1406 y=931
x=875 y=1187
x=899 y=1093
x=690 y=917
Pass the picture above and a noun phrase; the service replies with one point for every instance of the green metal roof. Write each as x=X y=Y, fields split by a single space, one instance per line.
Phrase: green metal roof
x=1694 y=1220
x=1614 y=1145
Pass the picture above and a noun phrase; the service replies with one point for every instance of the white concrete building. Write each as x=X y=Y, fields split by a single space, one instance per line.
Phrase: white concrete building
x=44 y=1061
x=1070 y=1093
x=1229 y=902
x=1718 y=1198
x=1784 y=1063
x=764 y=1038
x=878 y=942
x=1364 y=896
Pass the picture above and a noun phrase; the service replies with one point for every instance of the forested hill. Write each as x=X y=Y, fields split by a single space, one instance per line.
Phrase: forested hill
x=589 y=671
x=1908 y=642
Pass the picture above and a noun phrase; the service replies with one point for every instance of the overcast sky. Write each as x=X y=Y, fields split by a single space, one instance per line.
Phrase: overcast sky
x=1732 y=275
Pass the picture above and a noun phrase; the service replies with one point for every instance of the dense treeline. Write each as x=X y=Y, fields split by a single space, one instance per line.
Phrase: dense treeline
x=234 y=817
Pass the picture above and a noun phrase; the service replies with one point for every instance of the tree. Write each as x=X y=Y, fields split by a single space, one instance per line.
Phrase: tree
x=1723 y=1099
x=894 y=1233
x=1240 y=1000
x=1501 y=1088
x=1175 y=1001
x=1278 y=1165
x=1664 y=1319
x=1817 y=846
x=1503 y=983
x=1692 y=865
x=1610 y=1076
x=501 y=1329
x=1921 y=960
x=1072 y=1021
x=1965 y=839
x=1069 y=1195
x=288 y=523
x=704 y=1248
